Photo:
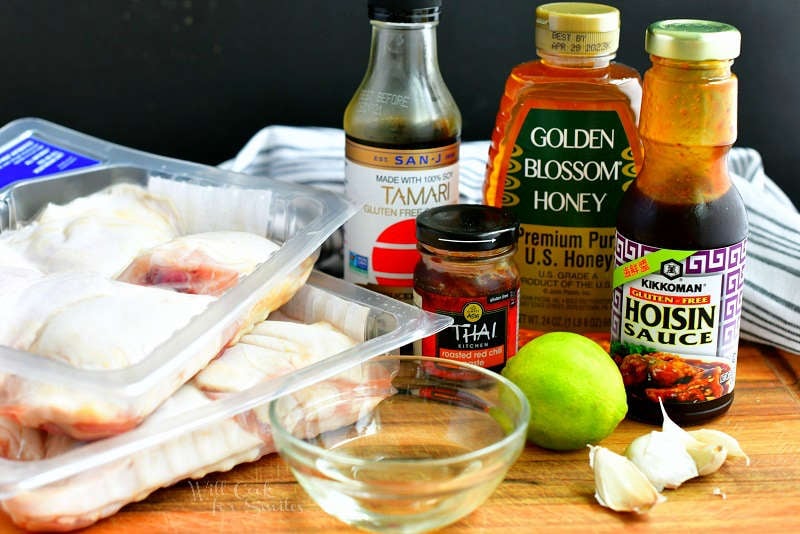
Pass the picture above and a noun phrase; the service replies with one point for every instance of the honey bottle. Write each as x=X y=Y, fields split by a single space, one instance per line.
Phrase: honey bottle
x=563 y=149
x=402 y=131
x=682 y=228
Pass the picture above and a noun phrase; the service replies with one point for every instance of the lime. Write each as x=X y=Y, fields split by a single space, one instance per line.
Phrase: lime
x=574 y=387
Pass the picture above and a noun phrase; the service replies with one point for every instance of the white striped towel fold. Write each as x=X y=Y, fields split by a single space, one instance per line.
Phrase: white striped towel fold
x=771 y=304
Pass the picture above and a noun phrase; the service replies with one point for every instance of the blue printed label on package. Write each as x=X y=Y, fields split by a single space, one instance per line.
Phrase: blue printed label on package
x=32 y=158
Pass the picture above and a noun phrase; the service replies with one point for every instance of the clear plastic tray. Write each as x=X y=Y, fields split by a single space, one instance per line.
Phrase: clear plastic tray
x=62 y=165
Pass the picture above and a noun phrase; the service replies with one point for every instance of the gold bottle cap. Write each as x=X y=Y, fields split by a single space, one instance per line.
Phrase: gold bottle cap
x=692 y=40
x=577 y=29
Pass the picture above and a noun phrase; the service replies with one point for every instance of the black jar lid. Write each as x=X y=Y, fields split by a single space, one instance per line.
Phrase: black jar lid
x=467 y=228
x=404 y=11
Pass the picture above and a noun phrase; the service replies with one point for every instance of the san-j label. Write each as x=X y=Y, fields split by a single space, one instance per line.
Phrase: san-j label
x=393 y=187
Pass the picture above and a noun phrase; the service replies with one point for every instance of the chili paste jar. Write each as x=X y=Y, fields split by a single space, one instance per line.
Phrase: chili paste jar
x=466 y=271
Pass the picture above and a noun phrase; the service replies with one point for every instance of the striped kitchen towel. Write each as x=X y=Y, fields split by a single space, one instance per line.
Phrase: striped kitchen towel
x=771 y=307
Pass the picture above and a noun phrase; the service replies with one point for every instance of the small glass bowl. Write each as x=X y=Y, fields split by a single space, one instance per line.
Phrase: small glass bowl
x=402 y=443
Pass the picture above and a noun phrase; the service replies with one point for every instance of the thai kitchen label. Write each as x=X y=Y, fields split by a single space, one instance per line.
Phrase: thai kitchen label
x=565 y=178
x=675 y=320
x=31 y=157
x=484 y=329
x=393 y=187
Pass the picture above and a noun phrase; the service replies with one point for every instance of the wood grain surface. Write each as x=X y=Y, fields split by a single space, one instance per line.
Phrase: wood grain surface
x=544 y=490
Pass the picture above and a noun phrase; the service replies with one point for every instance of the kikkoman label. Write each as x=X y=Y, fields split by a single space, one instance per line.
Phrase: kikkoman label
x=393 y=187
x=565 y=178
x=675 y=320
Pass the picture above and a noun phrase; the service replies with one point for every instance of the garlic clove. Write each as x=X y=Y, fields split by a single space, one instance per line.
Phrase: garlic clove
x=708 y=457
x=709 y=448
x=619 y=484
x=671 y=428
x=662 y=457
x=717 y=437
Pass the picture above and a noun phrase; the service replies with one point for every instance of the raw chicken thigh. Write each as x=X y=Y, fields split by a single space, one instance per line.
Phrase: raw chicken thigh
x=99 y=233
x=207 y=263
x=91 y=323
x=273 y=348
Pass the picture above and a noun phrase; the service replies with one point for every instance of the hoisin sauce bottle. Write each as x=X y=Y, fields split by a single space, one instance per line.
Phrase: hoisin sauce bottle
x=681 y=232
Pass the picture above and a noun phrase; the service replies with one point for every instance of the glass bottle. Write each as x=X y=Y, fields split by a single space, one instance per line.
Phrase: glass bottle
x=467 y=271
x=403 y=130
x=681 y=232
x=563 y=149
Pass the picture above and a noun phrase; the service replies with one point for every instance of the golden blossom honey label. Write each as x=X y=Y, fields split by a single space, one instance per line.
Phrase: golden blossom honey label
x=565 y=178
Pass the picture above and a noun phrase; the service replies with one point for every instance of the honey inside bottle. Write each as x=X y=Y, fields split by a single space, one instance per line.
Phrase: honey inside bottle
x=564 y=147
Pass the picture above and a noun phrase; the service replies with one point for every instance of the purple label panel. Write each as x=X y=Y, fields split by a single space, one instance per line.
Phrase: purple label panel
x=726 y=261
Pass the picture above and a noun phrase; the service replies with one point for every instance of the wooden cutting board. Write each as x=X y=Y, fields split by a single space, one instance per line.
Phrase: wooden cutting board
x=544 y=490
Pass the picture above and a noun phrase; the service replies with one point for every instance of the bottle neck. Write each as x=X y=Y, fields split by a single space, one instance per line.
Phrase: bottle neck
x=402 y=101
x=687 y=126
x=406 y=48
x=689 y=103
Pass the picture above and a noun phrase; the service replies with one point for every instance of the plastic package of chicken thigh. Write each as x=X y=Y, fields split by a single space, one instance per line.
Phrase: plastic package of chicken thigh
x=130 y=281
x=91 y=233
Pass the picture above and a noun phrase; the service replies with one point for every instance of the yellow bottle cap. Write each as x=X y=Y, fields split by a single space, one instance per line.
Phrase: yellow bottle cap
x=577 y=29
x=692 y=40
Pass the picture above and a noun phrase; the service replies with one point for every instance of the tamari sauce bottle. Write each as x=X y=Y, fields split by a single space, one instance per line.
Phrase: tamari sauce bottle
x=680 y=245
x=403 y=130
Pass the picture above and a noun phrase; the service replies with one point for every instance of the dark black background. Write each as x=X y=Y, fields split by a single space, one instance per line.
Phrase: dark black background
x=194 y=79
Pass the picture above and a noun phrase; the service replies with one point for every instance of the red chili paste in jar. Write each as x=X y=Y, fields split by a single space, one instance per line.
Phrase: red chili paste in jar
x=466 y=271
